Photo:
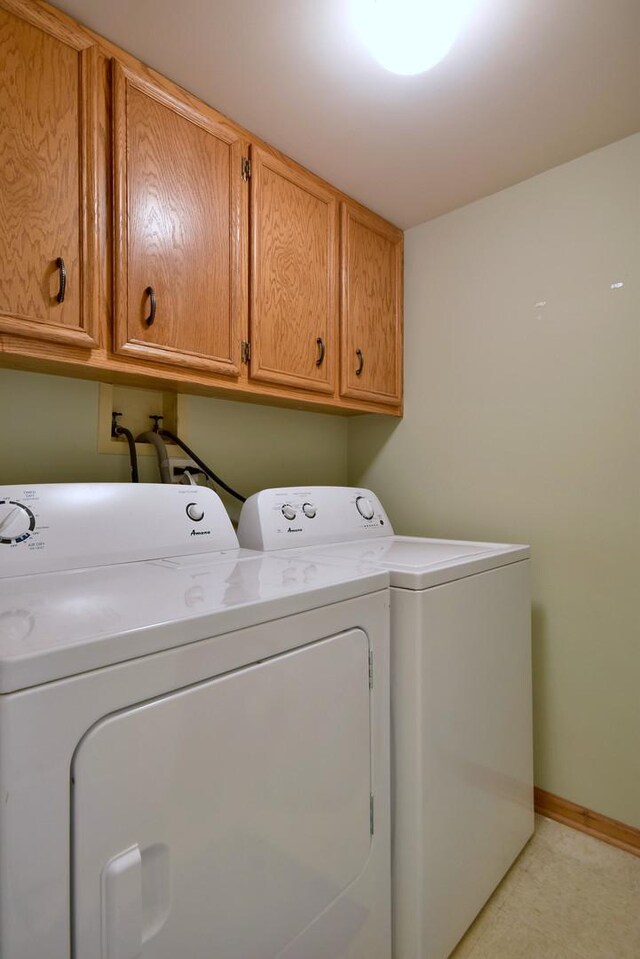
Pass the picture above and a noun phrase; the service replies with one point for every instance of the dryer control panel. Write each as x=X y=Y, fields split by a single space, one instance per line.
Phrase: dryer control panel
x=59 y=526
x=310 y=516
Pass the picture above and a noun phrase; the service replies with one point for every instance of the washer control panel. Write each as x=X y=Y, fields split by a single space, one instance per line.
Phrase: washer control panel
x=75 y=525
x=310 y=516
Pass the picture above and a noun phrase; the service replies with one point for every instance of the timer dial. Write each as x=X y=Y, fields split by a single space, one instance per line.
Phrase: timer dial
x=309 y=510
x=16 y=521
x=288 y=512
x=365 y=507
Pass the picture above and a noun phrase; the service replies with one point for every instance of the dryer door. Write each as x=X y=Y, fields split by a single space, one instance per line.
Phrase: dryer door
x=221 y=820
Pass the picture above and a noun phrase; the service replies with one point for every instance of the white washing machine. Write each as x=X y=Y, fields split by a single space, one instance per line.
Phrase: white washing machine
x=194 y=740
x=462 y=776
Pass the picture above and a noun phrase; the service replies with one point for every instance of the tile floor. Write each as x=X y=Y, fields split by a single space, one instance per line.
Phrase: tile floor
x=568 y=896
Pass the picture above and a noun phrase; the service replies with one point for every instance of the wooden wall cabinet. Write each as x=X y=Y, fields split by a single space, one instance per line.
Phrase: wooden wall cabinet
x=180 y=229
x=294 y=276
x=196 y=257
x=48 y=87
x=371 y=308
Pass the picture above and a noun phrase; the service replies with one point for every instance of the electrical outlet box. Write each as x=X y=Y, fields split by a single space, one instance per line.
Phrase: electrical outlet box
x=178 y=464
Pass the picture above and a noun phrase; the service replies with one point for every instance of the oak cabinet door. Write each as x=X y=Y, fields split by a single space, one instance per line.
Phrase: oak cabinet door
x=294 y=276
x=180 y=230
x=371 y=308
x=48 y=130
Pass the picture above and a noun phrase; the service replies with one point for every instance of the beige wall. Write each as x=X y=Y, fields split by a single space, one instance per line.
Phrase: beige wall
x=49 y=433
x=523 y=424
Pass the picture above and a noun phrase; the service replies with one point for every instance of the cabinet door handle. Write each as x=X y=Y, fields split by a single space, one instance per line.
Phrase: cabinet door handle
x=151 y=293
x=360 y=365
x=321 y=351
x=62 y=289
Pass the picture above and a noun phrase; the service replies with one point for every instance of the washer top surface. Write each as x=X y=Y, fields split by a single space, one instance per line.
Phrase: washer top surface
x=66 y=621
x=418 y=563
x=350 y=524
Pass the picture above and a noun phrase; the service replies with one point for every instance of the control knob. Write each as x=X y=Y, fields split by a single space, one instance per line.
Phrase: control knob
x=195 y=512
x=288 y=512
x=16 y=522
x=365 y=507
x=309 y=510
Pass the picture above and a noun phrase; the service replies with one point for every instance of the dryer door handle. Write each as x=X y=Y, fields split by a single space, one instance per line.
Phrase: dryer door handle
x=122 y=906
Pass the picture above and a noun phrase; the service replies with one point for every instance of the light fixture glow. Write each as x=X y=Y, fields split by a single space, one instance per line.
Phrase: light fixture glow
x=409 y=36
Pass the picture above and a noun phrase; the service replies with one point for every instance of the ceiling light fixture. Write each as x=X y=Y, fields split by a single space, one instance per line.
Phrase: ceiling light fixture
x=409 y=36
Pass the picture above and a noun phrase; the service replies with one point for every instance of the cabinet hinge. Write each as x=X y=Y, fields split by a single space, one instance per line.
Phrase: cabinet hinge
x=371 y=814
x=245 y=350
x=246 y=168
x=370 y=669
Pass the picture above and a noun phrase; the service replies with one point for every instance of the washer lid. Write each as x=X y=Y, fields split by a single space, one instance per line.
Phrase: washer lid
x=419 y=563
x=59 y=624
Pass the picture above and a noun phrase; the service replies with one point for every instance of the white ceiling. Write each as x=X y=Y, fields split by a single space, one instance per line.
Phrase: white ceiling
x=528 y=85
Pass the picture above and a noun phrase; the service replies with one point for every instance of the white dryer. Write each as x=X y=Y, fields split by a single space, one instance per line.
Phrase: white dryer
x=194 y=740
x=462 y=765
